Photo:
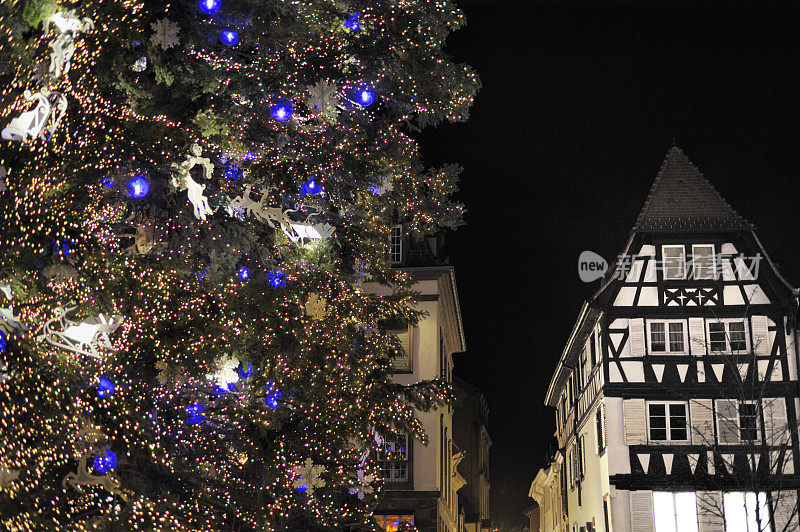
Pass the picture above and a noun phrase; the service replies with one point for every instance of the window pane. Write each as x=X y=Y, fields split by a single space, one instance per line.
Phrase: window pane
x=737 y=336
x=674 y=262
x=676 y=337
x=686 y=511
x=664 y=512
x=658 y=422
x=703 y=262
x=716 y=335
x=658 y=338
x=748 y=421
x=740 y=512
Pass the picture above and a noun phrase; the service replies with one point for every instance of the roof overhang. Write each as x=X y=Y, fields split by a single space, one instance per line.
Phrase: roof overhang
x=587 y=319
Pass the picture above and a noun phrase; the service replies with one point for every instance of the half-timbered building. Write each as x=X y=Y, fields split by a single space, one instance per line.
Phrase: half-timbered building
x=676 y=394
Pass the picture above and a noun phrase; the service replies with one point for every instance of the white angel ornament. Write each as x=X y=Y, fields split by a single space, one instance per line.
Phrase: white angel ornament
x=69 y=25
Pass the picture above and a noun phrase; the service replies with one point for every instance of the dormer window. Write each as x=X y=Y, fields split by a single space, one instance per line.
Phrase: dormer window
x=674 y=261
x=703 y=261
x=396 y=244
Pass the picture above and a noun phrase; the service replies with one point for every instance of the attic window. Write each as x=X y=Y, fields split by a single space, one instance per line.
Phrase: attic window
x=674 y=262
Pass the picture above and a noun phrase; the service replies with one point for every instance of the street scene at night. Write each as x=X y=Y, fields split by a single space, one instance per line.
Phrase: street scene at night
x=395 y=265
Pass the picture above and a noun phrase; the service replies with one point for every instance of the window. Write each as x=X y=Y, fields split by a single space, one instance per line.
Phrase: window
x=744 y=511
x=675 y=512
x=737 y=421
x=581 y=456
x=592 y=350
x=601 y=442
x=393 y=460
x=674 y=260
x=605 y=514
x=703 y=265
x=402 y=360
x=396 y=244
x=728 y=335
x=391 y=523
x=667 y=336
x=667 y=421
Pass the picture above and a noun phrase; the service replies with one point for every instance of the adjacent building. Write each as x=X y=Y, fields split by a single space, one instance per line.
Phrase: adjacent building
x=422 y=481
x=676 y=395
x=470 y=434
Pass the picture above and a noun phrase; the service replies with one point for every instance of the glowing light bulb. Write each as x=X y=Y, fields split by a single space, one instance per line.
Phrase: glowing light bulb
x=138 y=186
x=209 y=7
x=352 y=22
x=365 y=96
x=229 y=37
x=243 y=273
x=282 y=110
x=105 y=387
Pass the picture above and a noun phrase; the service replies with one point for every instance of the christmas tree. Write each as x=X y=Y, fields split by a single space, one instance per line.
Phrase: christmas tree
x=192 y=196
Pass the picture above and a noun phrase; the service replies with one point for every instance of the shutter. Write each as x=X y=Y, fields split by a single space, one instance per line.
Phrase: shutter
x=701 y=417
x=709 y=512
x=636 y=333
x=697 y=336
x=642 y=511
x=775 y=421
x=760 y=335
x=633 y=418
x=786 y=517
x=728 y=420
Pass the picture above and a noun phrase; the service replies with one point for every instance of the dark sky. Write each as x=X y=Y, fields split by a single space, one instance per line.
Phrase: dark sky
x=579 y=106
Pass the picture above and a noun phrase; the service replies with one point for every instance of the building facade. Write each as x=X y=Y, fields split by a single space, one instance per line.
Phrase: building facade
x=470 y=433
x=421 y=485
x=676 y=395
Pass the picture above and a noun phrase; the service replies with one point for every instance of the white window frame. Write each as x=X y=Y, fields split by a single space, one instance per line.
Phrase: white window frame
x=667 y=519
x=712 y=273
x=389 y=446
x=668 y=427
x=666 y=338
x=727 y=321
x=396 y=246
x=733 y=504
x=664 y=261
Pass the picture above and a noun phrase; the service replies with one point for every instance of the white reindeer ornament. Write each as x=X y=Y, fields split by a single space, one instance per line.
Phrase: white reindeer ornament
x=80 y=337
x=183 y=179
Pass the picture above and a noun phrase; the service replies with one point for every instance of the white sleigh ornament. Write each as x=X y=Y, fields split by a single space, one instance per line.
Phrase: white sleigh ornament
x=80 y=337
x=50 y=107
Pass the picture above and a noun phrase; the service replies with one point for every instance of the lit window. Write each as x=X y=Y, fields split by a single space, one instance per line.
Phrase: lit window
x=668 y=337
x=727 y=335
x=667 y=421
x=744 y=511
x=675 y=512
x=396 y=244
x=391 y=523
x=393 y=460
x=674 y=260
x=703 y=266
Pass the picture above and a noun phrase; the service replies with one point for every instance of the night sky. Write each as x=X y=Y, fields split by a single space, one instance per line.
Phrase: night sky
x=579 y=106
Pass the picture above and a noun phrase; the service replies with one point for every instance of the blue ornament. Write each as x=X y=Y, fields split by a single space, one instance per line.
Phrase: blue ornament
x=244 y=370
x=201 y=275
x=107 y=181
x=352 y=22
x=243 y=273
x=105 y=462
x=195 y=411
x=209 y=7
x=273 y=397
x=138 y=186
x=232 y=171
x=364 y=96
x=2 y=341
x=281 y=110
x=302 y=488
x=275 y=279
x=249 y=156
x=105 y=387
x=310 y=188
x=137 y=43
x=229 y=37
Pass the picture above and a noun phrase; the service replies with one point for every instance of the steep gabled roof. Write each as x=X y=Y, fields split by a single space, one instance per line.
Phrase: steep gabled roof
x=681 y=200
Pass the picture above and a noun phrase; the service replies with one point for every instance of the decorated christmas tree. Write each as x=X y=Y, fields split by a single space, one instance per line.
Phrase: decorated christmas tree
x=192 y=196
